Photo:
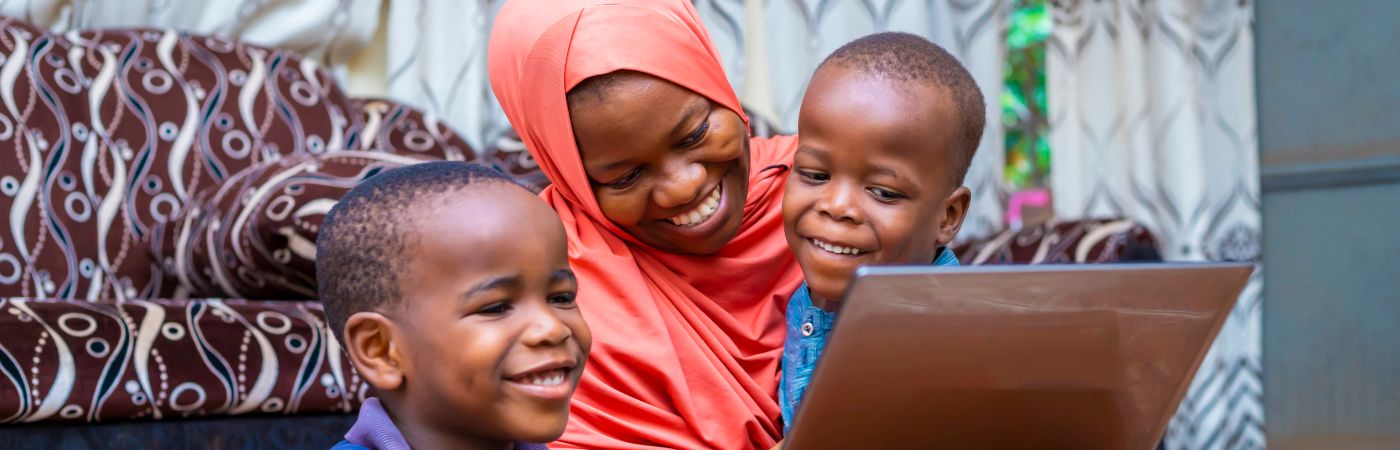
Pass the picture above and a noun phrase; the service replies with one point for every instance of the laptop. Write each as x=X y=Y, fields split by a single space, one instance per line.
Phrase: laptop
x=1008 y=357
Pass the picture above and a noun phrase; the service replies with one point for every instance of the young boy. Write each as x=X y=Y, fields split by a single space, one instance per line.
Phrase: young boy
x=887 y=129
x=451 y=288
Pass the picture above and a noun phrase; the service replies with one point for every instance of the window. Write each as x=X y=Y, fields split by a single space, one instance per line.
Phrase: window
x=1023 y=99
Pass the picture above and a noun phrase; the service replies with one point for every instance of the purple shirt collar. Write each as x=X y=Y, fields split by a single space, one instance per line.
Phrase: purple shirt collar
x=375 y=430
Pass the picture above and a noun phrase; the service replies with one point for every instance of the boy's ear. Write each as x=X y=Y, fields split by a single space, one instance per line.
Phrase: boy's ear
x=371 y=341
x=954 y=211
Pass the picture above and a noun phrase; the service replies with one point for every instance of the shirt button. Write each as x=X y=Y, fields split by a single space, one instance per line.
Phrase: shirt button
x=807 y=329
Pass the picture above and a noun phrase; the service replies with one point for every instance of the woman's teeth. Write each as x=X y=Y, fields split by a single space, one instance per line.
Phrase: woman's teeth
x=546 y=378
x=698 y=214
x=836 y=248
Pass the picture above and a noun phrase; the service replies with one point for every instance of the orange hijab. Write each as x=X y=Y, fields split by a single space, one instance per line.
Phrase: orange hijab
x=686 y=348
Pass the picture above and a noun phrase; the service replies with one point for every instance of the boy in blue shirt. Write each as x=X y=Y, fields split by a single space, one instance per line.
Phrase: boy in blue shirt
x=887 y=129
x=450 y=287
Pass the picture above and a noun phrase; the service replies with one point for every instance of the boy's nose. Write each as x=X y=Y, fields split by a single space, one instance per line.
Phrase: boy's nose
x=839 y=203
x=546 y=329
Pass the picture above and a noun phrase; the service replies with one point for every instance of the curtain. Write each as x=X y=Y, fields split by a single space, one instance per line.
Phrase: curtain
x=1152 y=117
x=436 y=60
x=327 y=31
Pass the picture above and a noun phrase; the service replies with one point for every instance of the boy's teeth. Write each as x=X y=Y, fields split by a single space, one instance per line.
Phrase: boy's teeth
x=837 y=249
x=699 y=213
x=549 y=378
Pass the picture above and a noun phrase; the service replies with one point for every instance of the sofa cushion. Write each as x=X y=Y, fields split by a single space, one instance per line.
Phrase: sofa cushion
x=1074 y=242
x=104 y=134
x=255 y=236
x=107 y=134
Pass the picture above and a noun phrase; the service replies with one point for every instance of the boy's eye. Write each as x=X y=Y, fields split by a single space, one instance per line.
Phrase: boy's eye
x=627 y=180
x=562 y=298
x=696 y=136
x=886 y=195
x=813 y=176
x=494 y=309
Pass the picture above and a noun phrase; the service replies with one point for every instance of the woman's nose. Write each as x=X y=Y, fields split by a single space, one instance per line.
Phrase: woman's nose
x=680 y=185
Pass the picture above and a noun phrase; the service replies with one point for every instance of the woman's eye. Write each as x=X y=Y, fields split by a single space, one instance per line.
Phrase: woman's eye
x=813 y=176
x=696 y=136
x=627 y=180
x=494 y=309
x=886 y=195
x=563 y=298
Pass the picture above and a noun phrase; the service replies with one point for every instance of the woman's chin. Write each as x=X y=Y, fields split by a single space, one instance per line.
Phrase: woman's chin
x=704 y=239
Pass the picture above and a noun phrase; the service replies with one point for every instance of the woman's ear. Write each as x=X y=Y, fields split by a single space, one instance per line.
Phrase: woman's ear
x=370 y=339
x=954 y=211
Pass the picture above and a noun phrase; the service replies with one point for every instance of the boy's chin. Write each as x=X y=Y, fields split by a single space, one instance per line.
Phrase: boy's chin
x=542 y=429
x=827 y=296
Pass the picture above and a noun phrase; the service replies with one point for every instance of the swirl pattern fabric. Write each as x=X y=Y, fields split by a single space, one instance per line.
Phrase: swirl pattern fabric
x=1096 y=241
x=163 y=359
x=107 y=134
x=255 y=236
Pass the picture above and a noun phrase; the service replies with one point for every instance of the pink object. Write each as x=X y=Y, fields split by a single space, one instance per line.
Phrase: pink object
x=1020 y=200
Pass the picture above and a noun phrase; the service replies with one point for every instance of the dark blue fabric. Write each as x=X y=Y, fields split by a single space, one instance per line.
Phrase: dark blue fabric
x=807 y=328
x=374 y=429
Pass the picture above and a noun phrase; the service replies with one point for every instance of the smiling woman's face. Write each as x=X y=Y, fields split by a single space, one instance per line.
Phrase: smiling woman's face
x=667 y=165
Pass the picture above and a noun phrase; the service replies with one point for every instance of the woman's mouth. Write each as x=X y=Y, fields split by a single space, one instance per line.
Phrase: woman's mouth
x=701 y=212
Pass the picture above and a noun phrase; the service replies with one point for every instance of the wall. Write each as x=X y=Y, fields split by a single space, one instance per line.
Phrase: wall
x=1329 y=130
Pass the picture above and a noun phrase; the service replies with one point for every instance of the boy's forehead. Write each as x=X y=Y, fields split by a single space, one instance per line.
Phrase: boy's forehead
x=928 y=89
x=918 y=119
x=488 y=208
x=478 y=229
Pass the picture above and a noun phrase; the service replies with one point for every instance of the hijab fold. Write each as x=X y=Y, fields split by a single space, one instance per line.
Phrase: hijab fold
x=686 y=348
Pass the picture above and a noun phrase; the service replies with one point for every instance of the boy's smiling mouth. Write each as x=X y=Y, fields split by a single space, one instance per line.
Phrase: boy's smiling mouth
x=552 y=381
x=550 y=377
x=836 y=249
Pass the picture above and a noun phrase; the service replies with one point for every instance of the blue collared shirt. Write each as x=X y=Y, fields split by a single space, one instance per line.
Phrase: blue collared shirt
x=807 y=328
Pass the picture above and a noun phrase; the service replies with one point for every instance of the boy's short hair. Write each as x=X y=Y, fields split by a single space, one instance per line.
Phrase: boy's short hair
x=907 y=57
x=362 y=249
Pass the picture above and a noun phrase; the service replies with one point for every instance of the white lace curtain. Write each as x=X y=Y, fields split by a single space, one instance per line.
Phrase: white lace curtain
x=1152 y=117
x=330 y=31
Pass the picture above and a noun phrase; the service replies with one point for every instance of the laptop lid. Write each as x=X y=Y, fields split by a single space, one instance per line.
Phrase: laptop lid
x=1085 y=356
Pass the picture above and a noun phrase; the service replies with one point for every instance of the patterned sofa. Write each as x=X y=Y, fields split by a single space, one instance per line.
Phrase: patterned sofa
x=160 y=195
x=121 y=294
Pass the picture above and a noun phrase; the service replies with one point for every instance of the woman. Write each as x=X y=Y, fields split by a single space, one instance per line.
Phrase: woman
x=672 y=213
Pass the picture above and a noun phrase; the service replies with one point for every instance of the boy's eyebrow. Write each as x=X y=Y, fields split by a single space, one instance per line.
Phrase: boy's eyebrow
x=888 y=171
x=493 y=283
x=563 y=275
x=817 y=152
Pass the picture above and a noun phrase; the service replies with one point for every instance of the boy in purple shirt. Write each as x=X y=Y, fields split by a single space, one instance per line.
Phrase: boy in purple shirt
x=450 y=287
x=887 y=130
